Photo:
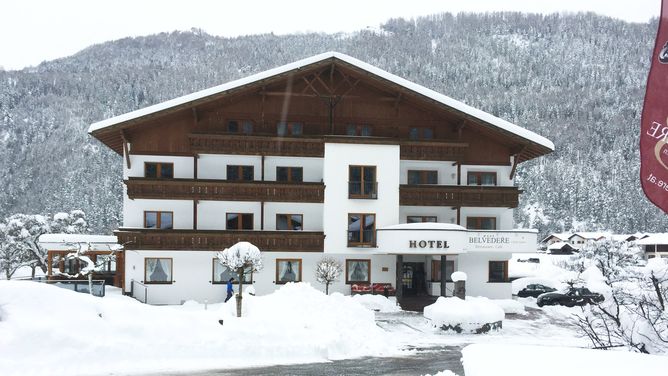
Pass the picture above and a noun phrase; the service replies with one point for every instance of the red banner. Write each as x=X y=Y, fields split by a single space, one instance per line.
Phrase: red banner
x=654 y=123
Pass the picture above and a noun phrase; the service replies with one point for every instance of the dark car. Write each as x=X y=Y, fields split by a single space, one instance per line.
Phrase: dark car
x=534 y=290
x=572 y=297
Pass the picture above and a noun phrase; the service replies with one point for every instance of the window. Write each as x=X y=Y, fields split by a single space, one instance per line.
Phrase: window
x=362 y=182
x=107 y=263
x=159 y=219
x=289 y=129
x=158 y=270
x=240 y=126
x=159 y=170
x=358 y=271
x=481 y=178
x=361 y=230
x=420 y=133
x=358 y=130
x=288 y=270
x=498 y=271
x=239 y=221
x=436 y=270
x=422 y=177
x=421 y=218
x=222 y=274
x=289 y=222
x=240 y=173
x=295 y=174
x=481 y=223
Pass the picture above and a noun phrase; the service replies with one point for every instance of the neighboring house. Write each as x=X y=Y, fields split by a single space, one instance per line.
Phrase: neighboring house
x=579 y=239
x=561 y=248
x=324 y=156
x=555 y=238
x=655 y=245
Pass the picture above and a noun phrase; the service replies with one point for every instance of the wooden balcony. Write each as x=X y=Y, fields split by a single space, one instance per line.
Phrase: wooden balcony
x=454 y=195
x=432 y=150
x=276 y=241
x=257 y=145
x=223 y=190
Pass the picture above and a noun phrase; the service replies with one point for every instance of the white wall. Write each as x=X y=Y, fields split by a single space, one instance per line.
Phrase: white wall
x=312 y=214
x=502 y=173
x=312 y=167
x=447 y=173
x=337 y=205
x=214 y=166
x=211 y=215
x=504 y=216
x=476 y=267
x=444 y=214
x=183 y=166
x=133 y=211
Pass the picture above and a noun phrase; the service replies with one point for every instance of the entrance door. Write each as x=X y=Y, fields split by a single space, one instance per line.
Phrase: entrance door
x=413 y=279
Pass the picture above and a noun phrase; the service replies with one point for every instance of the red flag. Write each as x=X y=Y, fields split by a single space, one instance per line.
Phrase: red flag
x=654 y=123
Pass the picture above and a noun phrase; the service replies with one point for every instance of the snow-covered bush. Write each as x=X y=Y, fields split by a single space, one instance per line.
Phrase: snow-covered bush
x=327 y=271
x=80 y=252
x=474 y=315
x=242 y=257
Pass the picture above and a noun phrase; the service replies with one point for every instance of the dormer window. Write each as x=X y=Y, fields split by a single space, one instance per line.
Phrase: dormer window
x=289 y=129
x=363 y=130
x=420 y=133
x=240 y=126
x=159 y=170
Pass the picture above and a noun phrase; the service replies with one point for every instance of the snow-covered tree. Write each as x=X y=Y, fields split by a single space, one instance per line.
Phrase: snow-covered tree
x=12 y=254
x=82 y=252
x=633 y=314
x=327 y=271
x=241 y=257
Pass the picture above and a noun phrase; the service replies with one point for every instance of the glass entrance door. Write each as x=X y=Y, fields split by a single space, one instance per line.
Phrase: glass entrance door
x=413 y=279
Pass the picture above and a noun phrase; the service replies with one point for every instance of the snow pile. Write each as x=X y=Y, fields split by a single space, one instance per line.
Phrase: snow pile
x=377 y=303
x=444 y=373
x=469 y=314
x=518 y=360
x=510 y=306
x=48 y=330
x=458 y=276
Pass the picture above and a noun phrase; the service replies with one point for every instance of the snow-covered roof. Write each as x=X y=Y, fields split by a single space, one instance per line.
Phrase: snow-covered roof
x=561 y=236
x=431 y=94
x=558 y=245
x=654 y=239
x=77 y=238
x=592 y=235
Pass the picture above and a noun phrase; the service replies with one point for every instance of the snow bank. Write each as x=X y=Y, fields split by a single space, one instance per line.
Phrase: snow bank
x=469 y=314
x=444 y=373
x=47 y=330
x=510 y=306
x=377 y=302
x=518 y=360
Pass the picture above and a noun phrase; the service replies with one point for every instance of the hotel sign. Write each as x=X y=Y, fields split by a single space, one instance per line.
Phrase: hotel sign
x=432 y=244
x=489 y=239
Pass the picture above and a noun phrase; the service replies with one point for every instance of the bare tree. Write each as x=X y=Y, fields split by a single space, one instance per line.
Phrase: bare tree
x=327 y=271
x=243 y=257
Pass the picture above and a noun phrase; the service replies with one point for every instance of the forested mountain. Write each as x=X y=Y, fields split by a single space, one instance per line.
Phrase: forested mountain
x=576 y=79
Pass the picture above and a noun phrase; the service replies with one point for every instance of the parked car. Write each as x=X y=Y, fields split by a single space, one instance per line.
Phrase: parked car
x=571 y=297
x=534 y=290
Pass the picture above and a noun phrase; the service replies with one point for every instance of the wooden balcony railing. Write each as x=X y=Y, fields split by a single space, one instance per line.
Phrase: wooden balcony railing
x=453 y=195
x=433 y=150
x=257 y=145
x=276 y=241
x=190 y=189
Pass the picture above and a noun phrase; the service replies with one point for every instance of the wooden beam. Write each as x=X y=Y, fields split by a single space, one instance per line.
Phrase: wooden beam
x=195 y=204
x=195 y=117
x=126 y=149
x=516 y=161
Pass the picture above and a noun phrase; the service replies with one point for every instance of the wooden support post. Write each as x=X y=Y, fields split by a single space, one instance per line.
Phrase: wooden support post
x=195 y=118
x=126 y=149
x=261 y=215
x=459 y=173
x=459 y=216
x=399 y=278
x=444 y=275
x=195 y=160
x=195 y=204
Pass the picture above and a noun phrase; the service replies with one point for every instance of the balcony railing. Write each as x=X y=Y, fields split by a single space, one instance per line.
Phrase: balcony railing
x=257 y=145
x=283 y=241
x=223 y=190
x=363 y=189
x=433 y=150
x=454 y=195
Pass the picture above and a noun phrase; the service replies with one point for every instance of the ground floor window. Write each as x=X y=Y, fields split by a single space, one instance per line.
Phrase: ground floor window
x=498 y=271
x=222 y=274
x=358 y=271
x=436 y=270
x=158 y=270
x=288 y=270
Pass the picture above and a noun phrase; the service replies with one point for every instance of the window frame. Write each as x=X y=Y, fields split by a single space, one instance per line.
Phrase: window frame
x=289 y=221
x=368 y=262
x=362 y=242
x=171 y=271
x=158 y=169
x=422 y=218
x=290 y=174
x=357 y=130
x=158 y=220
x=290 y=128
x=240 y=172
x=373 y=195
x=479 y=223
x=241 y=221
x=423 y=174
x=240 y=126
x=236 y=282
x=479 y=176
x=301 y=265
x=505 y=271
x=436 y=269
x=421 y=133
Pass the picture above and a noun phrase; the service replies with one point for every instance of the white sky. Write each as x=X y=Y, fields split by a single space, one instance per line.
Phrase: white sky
x=32 y=31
